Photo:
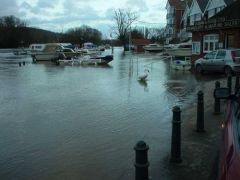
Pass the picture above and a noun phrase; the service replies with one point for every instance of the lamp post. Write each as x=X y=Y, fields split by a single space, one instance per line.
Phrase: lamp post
x=111 y=42
x=129 y=43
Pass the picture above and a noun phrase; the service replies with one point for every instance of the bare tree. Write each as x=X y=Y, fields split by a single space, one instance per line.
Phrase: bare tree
x=124 y=20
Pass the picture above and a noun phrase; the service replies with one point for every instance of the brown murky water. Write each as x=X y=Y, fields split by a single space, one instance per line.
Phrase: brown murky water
x=82 y=122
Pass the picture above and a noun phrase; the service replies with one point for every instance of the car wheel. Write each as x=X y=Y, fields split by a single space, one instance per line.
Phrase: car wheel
x=228 y=71
x=199 y=68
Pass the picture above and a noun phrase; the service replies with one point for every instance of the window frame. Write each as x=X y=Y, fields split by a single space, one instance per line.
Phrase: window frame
x=210 y=40
x=196 y=47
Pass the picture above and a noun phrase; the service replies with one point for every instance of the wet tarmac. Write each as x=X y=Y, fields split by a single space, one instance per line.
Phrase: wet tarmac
x=82 y=122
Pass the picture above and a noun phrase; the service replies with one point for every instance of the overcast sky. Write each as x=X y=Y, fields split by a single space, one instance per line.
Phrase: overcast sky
x=60 y=15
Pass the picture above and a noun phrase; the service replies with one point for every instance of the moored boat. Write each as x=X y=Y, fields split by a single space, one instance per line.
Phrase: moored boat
x=183 y=65
x=87 y=60
x=153 y=47
x=89 y=49
x=182 y=49
x=20 y=51
x=50 y=52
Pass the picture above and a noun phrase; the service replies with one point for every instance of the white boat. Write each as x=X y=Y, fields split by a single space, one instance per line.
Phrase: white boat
x=20 y=51
x=89 y=49
x=87 y=60
x=182 y=49
x=50 y=52
x=153 y=47
x=36 y=47
x=183 y=65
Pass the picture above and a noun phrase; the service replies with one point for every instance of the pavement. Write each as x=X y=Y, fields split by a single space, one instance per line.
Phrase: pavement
x=200 y=151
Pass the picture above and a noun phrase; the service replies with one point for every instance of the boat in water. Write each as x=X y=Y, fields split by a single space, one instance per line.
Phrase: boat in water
x=20 y=51
x=52 y=52
x=86 y=60
x=89 y=49
x=181 y=49
x=183 y=65
x=153 y=48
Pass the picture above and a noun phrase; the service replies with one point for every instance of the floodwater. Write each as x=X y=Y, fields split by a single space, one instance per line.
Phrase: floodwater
x=82 y=122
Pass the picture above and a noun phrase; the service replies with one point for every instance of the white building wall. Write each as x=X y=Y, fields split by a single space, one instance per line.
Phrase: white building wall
x=215 y=6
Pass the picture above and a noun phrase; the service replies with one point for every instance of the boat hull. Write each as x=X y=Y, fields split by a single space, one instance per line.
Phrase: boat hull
x=153 y=48
x=179 y=51
x=87 y=60
x=45 y=56
x=181 y=65
x=157 y=49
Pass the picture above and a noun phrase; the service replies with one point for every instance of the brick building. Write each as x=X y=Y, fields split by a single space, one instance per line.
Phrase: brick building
x=139 y=44
x=175 y=11
x=219 y=28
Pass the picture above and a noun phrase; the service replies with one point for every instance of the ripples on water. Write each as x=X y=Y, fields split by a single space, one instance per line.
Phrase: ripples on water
x=81 y=122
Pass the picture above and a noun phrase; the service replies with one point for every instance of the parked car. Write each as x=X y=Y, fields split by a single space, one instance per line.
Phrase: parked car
x=230 y=146
x=222 y=60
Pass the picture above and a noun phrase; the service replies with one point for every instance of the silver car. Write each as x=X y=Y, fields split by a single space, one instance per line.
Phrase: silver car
x=222 y=60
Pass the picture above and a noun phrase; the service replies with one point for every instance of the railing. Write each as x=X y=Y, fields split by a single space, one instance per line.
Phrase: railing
x=163 y=58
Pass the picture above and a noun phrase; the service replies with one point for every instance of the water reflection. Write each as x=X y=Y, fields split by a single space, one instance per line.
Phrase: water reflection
x=67 y=121
x=144 y=84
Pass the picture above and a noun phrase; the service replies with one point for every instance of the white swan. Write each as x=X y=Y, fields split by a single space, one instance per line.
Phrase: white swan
x=143 y=76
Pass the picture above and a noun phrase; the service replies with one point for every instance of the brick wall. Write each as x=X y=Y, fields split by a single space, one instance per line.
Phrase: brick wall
x=232 y=34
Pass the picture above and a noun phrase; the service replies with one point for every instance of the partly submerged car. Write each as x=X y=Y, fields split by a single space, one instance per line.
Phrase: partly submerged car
x=230 y=146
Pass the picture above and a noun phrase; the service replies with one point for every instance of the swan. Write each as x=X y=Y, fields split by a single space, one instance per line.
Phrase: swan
x=143 y=76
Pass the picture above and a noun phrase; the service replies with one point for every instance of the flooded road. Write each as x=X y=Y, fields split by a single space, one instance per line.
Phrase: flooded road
x=82 y=122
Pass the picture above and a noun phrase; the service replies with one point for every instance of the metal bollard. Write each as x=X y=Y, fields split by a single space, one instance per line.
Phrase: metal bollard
x=19 y=64
x=200 y=112
x=216 y=100
x=141 y=164
x=237 y=83
x=23 y=63
x=176 y=136
x=229 y=83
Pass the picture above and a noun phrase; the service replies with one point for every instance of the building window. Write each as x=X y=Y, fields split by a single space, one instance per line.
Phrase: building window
x=194 y=18
x=211 y=13
x=210 y=42
x=196 y=48
x=170 y=31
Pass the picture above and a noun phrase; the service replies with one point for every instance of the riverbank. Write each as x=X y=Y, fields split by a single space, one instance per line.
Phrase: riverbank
x=199 y=150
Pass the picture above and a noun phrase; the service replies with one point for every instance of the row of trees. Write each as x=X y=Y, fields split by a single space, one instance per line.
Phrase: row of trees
x=124 y=20
x=16 y=33
x=82 y=34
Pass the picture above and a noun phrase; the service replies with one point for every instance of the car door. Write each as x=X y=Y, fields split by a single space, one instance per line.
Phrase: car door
x=232 y=156
x=207 y=62
x=219 y=62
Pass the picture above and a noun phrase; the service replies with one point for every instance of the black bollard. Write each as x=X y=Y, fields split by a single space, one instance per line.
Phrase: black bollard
x=237 y=83
x=23 y=63
x=216 y=100
x=176 y=136
x=141 y=164
x=200 y=112
x=19 y=64
x=229 y=83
